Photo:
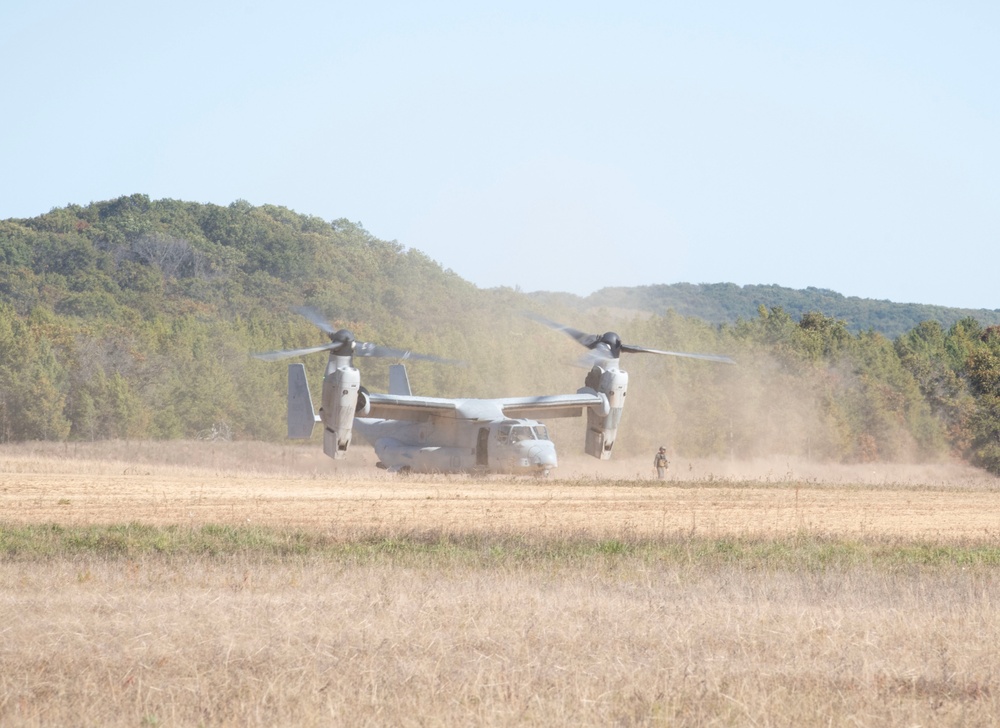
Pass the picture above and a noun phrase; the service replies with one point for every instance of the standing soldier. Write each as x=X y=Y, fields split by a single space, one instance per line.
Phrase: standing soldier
x=661 y=463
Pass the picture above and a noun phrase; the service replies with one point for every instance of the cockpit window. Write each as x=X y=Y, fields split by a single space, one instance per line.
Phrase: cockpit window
x=521 y=432
x=503 y=433
x=516 y=433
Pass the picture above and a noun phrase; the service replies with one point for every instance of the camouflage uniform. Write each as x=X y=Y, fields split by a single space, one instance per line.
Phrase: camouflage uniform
x=661 y=463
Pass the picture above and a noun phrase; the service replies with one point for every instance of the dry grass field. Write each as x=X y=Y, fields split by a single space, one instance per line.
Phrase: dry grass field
x=254 y=584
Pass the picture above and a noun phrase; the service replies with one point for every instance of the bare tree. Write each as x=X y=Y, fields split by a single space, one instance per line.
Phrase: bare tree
x=167 y=253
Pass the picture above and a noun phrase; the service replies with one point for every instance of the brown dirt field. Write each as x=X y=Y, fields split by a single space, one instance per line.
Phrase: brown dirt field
x=194 y=639
x=283 y=486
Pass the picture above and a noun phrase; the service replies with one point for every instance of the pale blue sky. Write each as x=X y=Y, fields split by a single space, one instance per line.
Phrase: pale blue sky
x=552 y=146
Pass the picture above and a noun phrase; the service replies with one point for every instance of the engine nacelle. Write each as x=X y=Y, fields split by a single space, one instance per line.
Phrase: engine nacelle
x=603 y=428
x=341 y=390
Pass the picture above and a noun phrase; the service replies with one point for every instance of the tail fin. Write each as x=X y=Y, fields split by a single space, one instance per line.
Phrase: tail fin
x=399 y=383
x=301 y=416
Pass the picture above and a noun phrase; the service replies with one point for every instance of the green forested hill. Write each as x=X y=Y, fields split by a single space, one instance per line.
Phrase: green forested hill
x=728 y=303
x=135 y=318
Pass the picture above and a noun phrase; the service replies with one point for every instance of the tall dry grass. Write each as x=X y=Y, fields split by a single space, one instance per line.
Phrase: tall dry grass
x=437 y=638
x=207 y=624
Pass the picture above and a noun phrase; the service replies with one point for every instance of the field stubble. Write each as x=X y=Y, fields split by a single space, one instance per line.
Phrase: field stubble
x=633 y=627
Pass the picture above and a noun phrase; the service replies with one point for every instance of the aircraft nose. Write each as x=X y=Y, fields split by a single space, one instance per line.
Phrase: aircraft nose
x=543 y=454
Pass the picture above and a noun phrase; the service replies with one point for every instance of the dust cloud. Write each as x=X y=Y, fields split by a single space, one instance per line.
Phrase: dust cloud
x=777 y=469
x=775 y=417
x=307 y=460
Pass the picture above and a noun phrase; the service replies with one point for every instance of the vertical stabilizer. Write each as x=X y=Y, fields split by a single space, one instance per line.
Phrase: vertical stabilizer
x=399 y=382
x=301 y=416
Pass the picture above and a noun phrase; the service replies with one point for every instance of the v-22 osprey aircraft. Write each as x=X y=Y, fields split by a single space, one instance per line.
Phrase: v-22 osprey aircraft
x=411 y=433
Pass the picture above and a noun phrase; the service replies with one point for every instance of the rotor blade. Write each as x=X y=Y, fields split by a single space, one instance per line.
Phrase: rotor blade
x=601 y=354
x=316 y=318
x=646 y=350
x=287 y=353
x=595 y=357
x=387 y=352
x=581 y=337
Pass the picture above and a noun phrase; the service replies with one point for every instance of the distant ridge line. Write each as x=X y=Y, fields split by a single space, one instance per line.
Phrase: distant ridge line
x=726 y=303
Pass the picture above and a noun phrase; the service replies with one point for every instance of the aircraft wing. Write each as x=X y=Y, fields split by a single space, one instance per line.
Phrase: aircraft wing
x=553 y=405
x=409 y=407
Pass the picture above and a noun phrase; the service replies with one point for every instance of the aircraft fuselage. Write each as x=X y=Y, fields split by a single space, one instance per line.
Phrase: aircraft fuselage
x=443 y=445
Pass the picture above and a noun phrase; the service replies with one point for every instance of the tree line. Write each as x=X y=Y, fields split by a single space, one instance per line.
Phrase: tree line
x=136 y=318
x=728 y=303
